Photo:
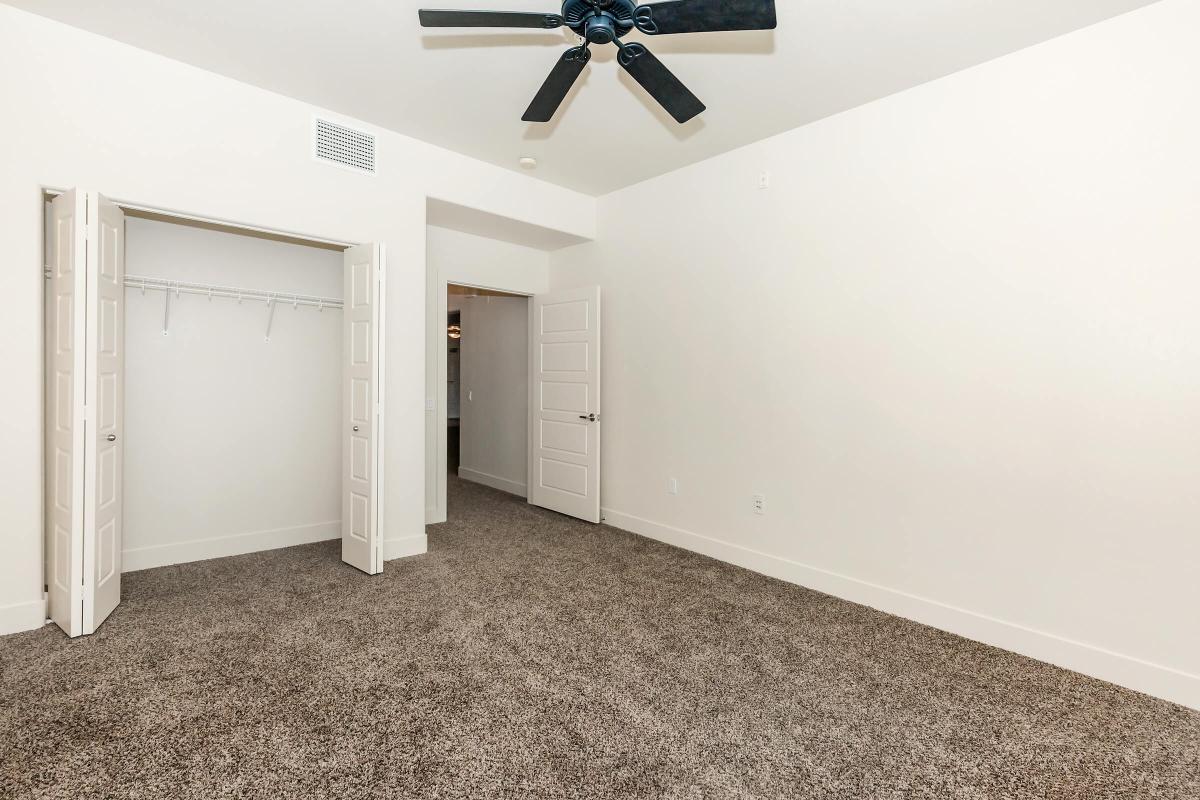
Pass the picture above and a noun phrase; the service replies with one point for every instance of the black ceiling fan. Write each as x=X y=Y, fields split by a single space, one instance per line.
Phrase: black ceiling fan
x=605 y=22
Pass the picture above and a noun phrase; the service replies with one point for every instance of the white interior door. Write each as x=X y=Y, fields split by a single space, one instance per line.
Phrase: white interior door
x=361 y=405
x=85 y=412
x=564 y=402
x=105 y=398
x=65 y=358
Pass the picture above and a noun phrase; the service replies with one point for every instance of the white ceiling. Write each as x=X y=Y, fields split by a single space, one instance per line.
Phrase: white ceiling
x=466 y=90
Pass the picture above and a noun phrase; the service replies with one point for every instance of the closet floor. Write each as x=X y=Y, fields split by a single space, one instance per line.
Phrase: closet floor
x=528 y=655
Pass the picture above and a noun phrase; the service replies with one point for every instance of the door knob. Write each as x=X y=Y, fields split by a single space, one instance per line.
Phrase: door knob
x=356 y=429
x=590 y=417
x=112 y=437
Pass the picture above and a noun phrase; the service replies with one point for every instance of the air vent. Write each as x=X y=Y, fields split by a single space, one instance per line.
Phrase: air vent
x=345 y=146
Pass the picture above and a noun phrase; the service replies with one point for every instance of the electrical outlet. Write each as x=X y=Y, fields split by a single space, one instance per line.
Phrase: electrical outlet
x=760 y=504
x=672 y=486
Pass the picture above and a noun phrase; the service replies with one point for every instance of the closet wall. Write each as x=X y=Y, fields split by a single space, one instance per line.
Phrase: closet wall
x=231 y=440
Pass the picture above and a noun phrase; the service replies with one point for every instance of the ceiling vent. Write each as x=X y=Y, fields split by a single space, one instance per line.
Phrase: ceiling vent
x=345 y=147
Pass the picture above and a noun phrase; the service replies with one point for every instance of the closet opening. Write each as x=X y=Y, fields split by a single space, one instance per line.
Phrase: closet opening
x=487 y=388
x=211 y=390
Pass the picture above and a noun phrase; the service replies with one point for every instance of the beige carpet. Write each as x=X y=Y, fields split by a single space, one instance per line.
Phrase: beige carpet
x=530 y=656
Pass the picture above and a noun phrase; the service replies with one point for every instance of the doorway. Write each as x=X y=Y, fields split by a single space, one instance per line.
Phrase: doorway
x=211 y=390
x=562 y=401
x=487 y=395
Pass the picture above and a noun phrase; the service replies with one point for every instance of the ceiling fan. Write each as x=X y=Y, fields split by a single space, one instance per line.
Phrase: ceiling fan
x=606 y=22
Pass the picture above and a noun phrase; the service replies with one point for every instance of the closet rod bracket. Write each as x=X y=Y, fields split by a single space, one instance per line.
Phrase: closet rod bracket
x=270 y=315
x=166 y=309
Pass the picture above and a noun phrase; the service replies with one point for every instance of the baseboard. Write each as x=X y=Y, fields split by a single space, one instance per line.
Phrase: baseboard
x=164 y=555
x=1123 y=670
x=495 y=481
x=22 y=616
x=407 y=546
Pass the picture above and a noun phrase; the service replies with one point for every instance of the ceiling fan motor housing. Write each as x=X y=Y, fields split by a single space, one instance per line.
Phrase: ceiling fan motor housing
x=599 y=21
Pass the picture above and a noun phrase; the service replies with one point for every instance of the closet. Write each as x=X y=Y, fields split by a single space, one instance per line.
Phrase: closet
x=210 y=391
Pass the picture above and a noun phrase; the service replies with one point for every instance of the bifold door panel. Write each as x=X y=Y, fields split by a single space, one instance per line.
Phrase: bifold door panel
x=564 y=402
x=85 y=410
x=361 y=539
x=106 y=411
x=65 y=359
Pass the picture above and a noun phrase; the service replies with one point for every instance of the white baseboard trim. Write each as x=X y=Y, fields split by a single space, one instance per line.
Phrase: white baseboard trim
x=22 y=616
x=164 y=555
x=1123 y=670
x=407 y=546
x=495 y=481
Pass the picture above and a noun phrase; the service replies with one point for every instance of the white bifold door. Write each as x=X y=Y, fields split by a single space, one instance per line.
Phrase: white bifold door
x=564 y=402
x=85 y=355
x=362 y=545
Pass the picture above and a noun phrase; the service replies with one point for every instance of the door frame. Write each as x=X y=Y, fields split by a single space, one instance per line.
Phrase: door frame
x=186 y=216
x=232 y=226
x=439 y=415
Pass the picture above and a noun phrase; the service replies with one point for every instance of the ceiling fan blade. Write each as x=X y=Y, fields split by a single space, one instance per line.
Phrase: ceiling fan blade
x=560 y=80
x=700 y=16
x=656 y=79
x=434 y=18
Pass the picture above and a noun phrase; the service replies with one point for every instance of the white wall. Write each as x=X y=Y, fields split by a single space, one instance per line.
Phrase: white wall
x=955 y=343
x=495 y=392
x=86 y=111
x=468 y=260
x=231 y=441
x=486 y=263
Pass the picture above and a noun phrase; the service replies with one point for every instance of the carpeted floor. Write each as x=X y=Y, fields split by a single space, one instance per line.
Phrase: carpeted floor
x=530 y=656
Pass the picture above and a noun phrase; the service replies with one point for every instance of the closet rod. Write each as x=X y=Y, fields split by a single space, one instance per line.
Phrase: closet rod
x=235 y=292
